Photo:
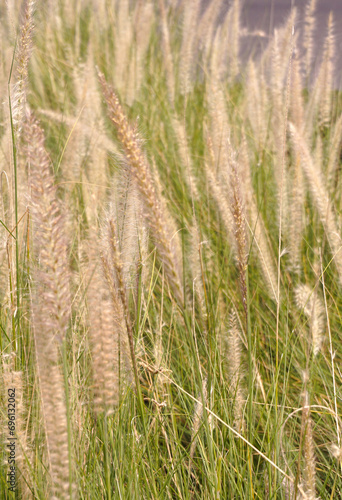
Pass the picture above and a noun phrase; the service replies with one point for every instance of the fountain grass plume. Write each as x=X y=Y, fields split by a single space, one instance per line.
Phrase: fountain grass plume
x=23 y=55
x=320 y=195
x=50 y=304
x=157 y=217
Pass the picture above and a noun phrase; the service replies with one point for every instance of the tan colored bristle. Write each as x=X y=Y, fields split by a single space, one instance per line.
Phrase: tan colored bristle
x=238 y=212
x=312 y=305
x=51 y=301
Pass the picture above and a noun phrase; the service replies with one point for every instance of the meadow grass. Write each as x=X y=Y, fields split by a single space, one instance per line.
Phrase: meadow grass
x=171 y=261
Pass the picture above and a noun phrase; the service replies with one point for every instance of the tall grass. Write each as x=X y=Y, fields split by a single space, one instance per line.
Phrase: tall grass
x=170 y=254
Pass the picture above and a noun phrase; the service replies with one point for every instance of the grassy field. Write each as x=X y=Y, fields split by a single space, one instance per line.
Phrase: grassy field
x=170 y=259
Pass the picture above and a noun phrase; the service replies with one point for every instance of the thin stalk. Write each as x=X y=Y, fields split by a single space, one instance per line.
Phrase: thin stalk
x=250 y=384
x=67 y=403
x=15 y=338
x=107 y=468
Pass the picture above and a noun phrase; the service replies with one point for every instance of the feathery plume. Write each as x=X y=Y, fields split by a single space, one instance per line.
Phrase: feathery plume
x=320 y=101
x=234 y=345
x=312 y=305
x=320 y=195
x=113 y=268
x=233 y=32
x=296 y=94
x=336 y=452
x=22 y=58
x=187 y=52
x=158 y=220
x=105 y=328
x=318 y=153
x=143 y=22
x=6 y=217
x=185 y=156
x=239 y=230
x=265 y=254
x=70 y=121
x=256 y=224
x=167 y=59
x=11 y=16
x=327 y=71
x=295 y=220
x=283 y=46
x=257 y=104
x=123 y=43
x=51 y=303
x=222 y=203
x=206 y=28
x=88 y=151
x=217 y=111
x=309 y=28
x=294 y=213
x=132 y=231
x=334 y=149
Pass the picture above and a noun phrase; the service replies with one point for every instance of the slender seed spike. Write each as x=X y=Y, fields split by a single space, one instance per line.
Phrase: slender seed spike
x=155 y=211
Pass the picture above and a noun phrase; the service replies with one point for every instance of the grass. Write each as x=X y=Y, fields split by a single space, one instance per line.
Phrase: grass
x=170 y=256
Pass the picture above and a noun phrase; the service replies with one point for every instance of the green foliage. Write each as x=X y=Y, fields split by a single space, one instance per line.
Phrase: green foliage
x=180 y=428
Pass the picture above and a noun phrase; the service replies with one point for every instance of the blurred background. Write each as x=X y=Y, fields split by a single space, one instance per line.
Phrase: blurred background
x=259 y=18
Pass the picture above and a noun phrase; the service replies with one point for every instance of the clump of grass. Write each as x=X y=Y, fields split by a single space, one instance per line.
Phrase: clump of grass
x=146 y=246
